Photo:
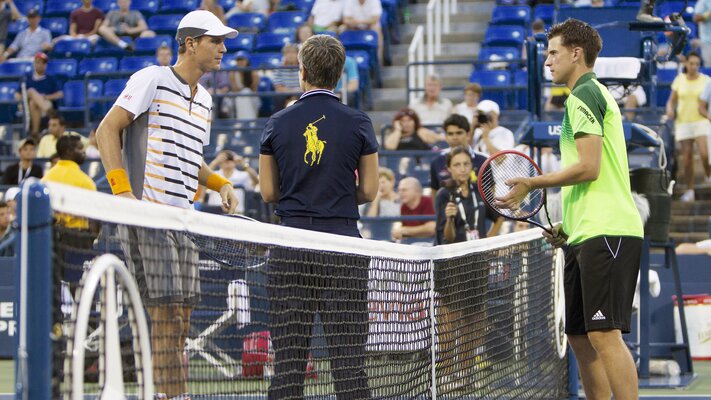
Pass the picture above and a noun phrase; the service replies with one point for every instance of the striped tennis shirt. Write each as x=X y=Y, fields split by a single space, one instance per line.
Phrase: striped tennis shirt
x=162 y=147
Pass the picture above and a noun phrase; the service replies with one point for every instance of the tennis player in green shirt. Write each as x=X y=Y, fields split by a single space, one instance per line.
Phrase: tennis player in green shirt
x=601 y=226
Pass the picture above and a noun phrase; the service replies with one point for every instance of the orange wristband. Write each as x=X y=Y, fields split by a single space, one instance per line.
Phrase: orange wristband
x=216 y=182
x=118 y=179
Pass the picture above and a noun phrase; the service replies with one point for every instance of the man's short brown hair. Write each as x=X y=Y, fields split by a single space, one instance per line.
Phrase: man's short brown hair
x=576 y=33
x=473 y=87
x=322 y=58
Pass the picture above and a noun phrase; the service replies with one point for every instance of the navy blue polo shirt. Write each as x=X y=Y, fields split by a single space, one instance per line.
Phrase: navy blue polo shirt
x=317 y=144
x=45 y=85
x=440 y=173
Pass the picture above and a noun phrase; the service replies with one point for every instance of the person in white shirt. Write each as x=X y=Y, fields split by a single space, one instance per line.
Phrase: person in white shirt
x=489 y=137
x=361 y=15
x=326 y=15
x=432 y=108
x=467 y=108
x=236 y=170
x=249 y=6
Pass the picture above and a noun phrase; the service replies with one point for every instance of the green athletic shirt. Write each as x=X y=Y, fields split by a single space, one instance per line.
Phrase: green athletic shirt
x=605 y=205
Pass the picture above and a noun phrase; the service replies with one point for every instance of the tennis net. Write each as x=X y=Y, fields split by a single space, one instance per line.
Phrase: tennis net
x=242 y=309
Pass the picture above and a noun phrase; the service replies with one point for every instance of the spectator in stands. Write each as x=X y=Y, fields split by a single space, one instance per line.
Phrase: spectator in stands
x=386 y=203
x=628 y=98
x=218 y=83
x=214 y=7
x=84 y=23
x=245 y=82
x=489 y=136
x=16 y=173
x=408 y=133
x=690 y=126
x=249 y=6
x=55 y=130
x=361 y=15
x=467 y=108
x=92 y=147
x=30 y=41
x=702 y=16
x=303 y=32
x=236 y=170
x=350 y=75
x=164 y=56
x=458 y=133
x=42 y=92
x=8 y=13
x=11 y=200
x=326 y=15
x=431 y=106
x=412 y=202
x=555 y=100
x=5 y=229
x=124 y=22
x=286 y=80
x=538 y=28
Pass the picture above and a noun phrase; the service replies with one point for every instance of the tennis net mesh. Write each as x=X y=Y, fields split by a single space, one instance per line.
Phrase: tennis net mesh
x=241 y=309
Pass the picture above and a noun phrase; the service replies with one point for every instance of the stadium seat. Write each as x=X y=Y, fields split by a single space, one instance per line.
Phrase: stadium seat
x=72 y=48
x=104 y=48
x=511 y=15
x=504 y=35
x=368 y=41
x=265 y=59
x=265 y=85
x=494 y=84
x=545 y=12
x=285 y=21
x=63 y=68
x=248 y=22
x=16 y=68
x=243 y=41
x=178 y=6
x=74 y=100
x=227 y=4
x=494 y=54
x=146 y=7
x=105 y=5
x=521 y=79
x=167 y=24
x=98 y=65
x=665 y=77
x=8 y=104
x=146 y=46
x=25 y=6
x=269 y=42
x=61 y=8
x=133 y=64
x=57 y=26
x=363 y=60
x=114 y=87
x=14 y=27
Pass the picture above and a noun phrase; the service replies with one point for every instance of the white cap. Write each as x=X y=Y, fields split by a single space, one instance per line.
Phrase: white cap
x=202 y=22
x=488 y=106
x=11 y=193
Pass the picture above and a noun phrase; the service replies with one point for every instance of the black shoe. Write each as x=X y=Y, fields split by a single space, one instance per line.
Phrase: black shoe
x=129 y=48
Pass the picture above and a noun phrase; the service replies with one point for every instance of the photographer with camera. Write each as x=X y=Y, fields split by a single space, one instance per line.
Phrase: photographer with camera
x=489 y=137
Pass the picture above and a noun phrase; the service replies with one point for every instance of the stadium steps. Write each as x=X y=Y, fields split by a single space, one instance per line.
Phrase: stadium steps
x=467 y=11
x=690 y=223
x=699 y=207
x=460 y=32
x=686 y=237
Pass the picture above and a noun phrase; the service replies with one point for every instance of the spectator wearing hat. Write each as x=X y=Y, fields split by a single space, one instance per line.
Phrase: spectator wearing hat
x=29 y=41
x=244 y=82
x=10 y=198
x=124 y=22
x=164 y=56
x=42 y=91
x=16 y=173
x=8 y=13
x=489 y=136
x=432 y=108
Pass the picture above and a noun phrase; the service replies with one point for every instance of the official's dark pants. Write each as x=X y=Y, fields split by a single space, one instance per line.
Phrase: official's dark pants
x=302 y=284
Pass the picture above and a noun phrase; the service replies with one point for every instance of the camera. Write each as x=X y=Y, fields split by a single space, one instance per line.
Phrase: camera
x=482 y=118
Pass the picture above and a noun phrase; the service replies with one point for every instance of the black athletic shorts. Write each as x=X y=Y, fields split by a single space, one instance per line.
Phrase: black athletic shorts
x=600 y=279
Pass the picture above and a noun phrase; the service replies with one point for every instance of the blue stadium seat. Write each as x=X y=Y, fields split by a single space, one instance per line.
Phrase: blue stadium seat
x=114 y=87
x=504 y=35
x=269 y=42
x=285 y=21
x=63 y=68
x=104 y=48
x=499 y=54
x=75 y=98
x=146 y=46
x=62 y=7
x=544 y=12
x=243 y=41
x=363 y=60
x=178 y=6
x=105 y=5
x=25 y=6
x=511 y=15
x=57 y=26
x=227 y=4
x=165 y=23
x=8 y=104
x=490 y=81
x=14 y=27
x=133 y=64
x=265 y=59
x=265 y=85
x=98 y=65
x=665 y=77
x=248 y=22
x=146 y=7
x=364 y=40
x=521 y=79
x=16 y=68
x=72 y=48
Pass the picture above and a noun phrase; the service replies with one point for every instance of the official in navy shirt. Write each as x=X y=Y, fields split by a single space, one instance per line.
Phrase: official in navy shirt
x=457 y=133
x=309 y=156
x=42 y=92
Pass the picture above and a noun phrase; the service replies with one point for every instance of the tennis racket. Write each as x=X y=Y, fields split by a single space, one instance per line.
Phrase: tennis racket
x=501 y=167
x=231 y=253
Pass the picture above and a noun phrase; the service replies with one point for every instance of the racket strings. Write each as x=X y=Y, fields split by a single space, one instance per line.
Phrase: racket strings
x=493 y=184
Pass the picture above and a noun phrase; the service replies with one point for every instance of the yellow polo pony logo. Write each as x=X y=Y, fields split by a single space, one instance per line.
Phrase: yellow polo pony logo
x=314 y=146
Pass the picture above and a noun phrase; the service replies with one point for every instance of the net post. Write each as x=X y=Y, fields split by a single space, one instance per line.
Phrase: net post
x=33 y=279
x=433 y=333
x=573 y=384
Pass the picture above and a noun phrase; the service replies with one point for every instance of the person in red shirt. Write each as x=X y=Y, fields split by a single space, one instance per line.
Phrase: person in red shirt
x=84 y=22
x=412 y=202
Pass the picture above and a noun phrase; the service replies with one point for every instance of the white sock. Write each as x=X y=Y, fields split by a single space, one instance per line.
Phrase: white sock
x=122 y=44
